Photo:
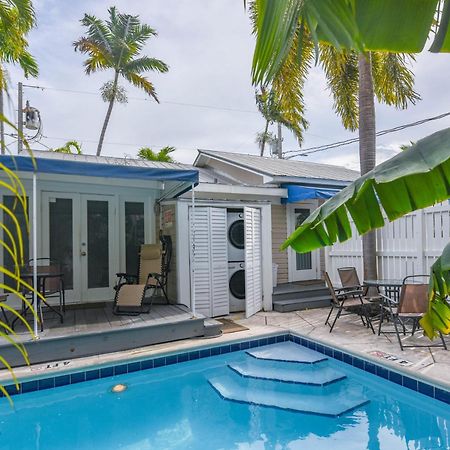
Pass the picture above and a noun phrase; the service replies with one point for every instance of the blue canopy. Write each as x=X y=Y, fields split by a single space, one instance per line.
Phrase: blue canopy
x=298 y=193
x=90 y=169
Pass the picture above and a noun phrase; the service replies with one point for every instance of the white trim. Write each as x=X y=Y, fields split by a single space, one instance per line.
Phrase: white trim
x=266 y=256
x=243 y=190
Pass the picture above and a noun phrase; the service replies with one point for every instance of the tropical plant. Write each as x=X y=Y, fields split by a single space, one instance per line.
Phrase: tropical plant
x=70 y=147
x=411 y=180
x=116 y=44
x=263 y=138
x=162 y=155
x=385 y=25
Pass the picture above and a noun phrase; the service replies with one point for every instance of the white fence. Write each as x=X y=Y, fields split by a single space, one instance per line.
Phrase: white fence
x=407 y=246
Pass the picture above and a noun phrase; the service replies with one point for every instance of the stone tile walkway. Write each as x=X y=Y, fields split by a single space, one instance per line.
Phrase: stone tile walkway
x=350 y=335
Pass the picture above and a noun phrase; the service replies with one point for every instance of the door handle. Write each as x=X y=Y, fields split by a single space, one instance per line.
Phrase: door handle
x=83 y=253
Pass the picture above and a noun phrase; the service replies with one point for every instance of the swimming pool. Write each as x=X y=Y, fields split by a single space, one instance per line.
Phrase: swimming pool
x=233 y=400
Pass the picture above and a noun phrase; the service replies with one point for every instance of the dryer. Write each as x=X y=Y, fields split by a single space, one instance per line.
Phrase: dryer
x=236 y=237
x=236 y=286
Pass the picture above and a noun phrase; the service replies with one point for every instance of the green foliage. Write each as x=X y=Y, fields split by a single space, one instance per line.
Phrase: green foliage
x=70 y=147
x=116 y=44
x=16 y=20
x=162 y=155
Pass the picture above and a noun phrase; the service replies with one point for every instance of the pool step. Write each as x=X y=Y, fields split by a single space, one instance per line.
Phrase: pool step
x=332 y=403
x=288 y=352
x=315 y=375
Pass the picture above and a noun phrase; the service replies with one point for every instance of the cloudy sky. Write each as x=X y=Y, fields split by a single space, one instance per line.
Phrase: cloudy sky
x=207 y=100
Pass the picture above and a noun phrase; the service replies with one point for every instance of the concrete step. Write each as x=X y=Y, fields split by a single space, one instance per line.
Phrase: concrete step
x=288 y=292
x=212 y=328
x=299 y=304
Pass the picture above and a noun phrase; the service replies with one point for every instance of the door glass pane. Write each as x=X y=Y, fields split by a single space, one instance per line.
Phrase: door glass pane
x=61 y=236
x=97 y=244
x=12 y=203
x=303 y=261
x=134 y=234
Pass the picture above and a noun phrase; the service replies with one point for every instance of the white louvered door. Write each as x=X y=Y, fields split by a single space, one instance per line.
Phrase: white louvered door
x=211 y=261
x=253 y=261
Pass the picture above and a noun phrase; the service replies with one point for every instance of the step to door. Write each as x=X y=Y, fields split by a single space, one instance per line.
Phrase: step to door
x=289 y=291
x=314 y=374
x=299 y=304
x=333 y=404
x=287 y=352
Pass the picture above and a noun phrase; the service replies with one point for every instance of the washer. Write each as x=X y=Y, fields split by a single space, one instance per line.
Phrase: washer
x=236 y=238
x=236 y=286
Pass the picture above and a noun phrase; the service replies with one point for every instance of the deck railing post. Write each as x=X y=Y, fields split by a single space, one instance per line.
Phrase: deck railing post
x=192 y=251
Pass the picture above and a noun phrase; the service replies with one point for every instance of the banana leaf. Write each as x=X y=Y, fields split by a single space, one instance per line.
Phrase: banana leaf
x=363 y=25
x=414 y=179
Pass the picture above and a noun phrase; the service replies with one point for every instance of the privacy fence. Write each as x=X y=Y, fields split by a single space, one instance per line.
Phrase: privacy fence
x=407 y=246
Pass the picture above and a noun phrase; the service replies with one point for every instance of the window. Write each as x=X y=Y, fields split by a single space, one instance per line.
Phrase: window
x=134 y=234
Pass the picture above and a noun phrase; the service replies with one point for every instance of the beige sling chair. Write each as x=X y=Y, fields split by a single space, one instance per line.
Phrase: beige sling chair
x=131 y=290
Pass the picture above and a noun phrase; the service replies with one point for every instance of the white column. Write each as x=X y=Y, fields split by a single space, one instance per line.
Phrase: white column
x=34 y=240
x=192 y=252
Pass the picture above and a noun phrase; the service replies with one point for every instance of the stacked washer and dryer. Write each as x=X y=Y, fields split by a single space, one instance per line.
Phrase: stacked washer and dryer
x=236 y=259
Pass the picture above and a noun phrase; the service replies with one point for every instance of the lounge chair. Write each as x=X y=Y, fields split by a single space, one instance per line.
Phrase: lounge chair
x=131 y=289
x=412 y=305
x=347 y=301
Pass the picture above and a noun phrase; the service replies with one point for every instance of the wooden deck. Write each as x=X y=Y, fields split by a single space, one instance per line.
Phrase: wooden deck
x=94 y=329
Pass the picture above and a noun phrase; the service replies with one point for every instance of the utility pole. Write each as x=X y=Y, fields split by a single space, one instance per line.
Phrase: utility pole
x=20 y=118
x=279 y=142
x=2 y=124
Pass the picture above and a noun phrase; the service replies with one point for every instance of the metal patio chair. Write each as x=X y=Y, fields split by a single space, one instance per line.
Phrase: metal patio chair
x=411 y=306
x=131 y=289
x=347 y=301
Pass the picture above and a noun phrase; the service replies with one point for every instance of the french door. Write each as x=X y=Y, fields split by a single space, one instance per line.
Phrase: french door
x=78 y=231
x=302 y=266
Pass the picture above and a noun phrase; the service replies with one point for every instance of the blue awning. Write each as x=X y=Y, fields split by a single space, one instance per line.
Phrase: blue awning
x=65 y=167
x=298 y=193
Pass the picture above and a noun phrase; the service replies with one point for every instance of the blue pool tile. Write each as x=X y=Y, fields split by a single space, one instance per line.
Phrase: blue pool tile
x=106 y=372
x=280 y=338
x=77 y=377
x=338 y=355
x=410 y=383
x=235 y=347
x=262 y=342
x=328 y=351
x=382 y=372
x=297 y=340
x=303 y=342
x=369 y=367
x=182 y=357
x=395 y=377
x=204 y=353
x=135 y=366
x=245 y=345
x=320 y=348
x=46 y=383
x=29 y=386
x=253 y=344
x=11 y=389
x=172 y=359
x=426 y=389
x=148 y=364
x=271 y=340
x=62 y=380
x=215 y=351
x=443 y=396
x=119 y=370
x=93 y=374
x=159 y=362
x=225 y=349
x=194 y=355
x=349 y=359
x=359 y=363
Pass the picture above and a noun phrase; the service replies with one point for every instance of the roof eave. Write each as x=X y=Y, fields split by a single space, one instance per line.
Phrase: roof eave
x=308 y=181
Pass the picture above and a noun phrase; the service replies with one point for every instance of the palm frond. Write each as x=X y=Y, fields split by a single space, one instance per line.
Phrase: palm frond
x=393 y=79
x=142 y=83
x=97 y=32
x=99 y=58
x=145 y=64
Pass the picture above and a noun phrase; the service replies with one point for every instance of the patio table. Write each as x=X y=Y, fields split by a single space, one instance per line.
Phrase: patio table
x=41 y=277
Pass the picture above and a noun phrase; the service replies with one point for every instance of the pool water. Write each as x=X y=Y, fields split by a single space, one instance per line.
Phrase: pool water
x=182 y=406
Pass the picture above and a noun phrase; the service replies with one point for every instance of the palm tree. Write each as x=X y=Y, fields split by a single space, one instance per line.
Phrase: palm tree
x=354 y=80
x=263 y=138
x=116 y=44
x=70 y=147
x=16 y=20
x=163 y=155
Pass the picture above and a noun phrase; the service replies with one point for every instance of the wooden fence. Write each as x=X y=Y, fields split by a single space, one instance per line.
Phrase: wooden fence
x=407 y=246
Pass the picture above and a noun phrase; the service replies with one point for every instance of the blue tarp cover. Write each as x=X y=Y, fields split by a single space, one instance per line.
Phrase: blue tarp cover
x=44 y=165
x=298 y=193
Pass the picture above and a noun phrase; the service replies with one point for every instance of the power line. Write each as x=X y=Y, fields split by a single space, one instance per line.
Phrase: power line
x=321 y=148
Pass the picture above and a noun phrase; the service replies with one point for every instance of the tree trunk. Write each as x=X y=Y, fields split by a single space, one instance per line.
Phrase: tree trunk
x=279 y=142
x=367 y=151
x=108 y=115
x=263 y=143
